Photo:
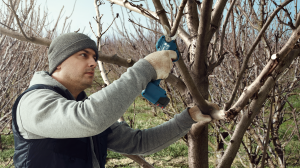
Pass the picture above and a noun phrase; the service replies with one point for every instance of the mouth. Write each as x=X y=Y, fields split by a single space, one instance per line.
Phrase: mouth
x=90 y=73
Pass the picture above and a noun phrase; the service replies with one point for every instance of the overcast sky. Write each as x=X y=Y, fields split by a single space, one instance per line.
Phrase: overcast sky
x=84 y=12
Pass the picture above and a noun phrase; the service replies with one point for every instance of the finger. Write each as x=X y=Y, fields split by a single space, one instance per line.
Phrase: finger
x=218 y=114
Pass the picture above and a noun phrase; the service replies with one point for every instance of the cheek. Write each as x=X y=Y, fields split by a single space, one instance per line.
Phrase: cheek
x=74 y=67
x=71 y=71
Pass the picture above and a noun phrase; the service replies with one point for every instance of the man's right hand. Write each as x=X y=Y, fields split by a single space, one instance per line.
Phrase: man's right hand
x=162 y=62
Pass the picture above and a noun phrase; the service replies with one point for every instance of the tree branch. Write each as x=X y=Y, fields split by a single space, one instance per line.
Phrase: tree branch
x=295 y=120
x=152 y=15
x=245 y=63
x=212 y=66
x=202 y=104
x=290 y=23
x=144 y=27
x=18 y=21
x=202 y=40
x=178 y=18
x=110 y=24
x=254 y=135
x=216 y=16
x=268 y=130
x=192 y=18
x=224 y=27
x=7 y=26
x=254 y=109
x=297 y=20
x=248 y=19
x=19 y=36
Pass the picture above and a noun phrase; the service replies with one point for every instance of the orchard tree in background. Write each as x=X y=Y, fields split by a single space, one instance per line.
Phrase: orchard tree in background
x=242 y=55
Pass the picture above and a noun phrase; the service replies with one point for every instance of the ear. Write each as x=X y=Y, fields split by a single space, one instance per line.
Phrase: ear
x=58 y=67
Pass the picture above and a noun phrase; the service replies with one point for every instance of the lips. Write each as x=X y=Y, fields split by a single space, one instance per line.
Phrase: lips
x=90 y=73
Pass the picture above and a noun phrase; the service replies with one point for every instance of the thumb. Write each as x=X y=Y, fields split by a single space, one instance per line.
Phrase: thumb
x=203 y=118
x=172 y=54
x=197 y=116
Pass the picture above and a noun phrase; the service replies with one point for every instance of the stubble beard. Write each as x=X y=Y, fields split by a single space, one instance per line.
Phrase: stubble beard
x=79 y=82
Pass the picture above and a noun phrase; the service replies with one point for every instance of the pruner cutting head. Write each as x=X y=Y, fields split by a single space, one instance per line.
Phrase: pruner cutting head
x=167 y=34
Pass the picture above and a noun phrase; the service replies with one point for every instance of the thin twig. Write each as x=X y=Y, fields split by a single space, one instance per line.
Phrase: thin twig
x=18 y=21
x=68 y=17
x=295 y=120
x=5 y=3
x=93 y=30
x=109 y=25
x=8 y=162
x=7 y=26
x=248 y=19
x=144 y=27
x=268 y=130
x=290 y=24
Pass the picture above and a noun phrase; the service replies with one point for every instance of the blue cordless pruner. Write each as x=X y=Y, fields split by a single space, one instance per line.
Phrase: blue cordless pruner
x=153 y=92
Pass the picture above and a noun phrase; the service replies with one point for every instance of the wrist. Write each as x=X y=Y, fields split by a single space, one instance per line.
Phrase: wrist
x=191 y=112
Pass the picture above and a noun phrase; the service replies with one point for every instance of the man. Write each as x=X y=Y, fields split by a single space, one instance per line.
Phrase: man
x=55 y=125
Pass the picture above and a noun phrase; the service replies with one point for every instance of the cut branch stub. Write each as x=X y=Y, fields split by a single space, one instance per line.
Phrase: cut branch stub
x=230 y=114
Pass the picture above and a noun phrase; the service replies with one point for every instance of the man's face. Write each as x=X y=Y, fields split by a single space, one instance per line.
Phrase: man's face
x=77 y=71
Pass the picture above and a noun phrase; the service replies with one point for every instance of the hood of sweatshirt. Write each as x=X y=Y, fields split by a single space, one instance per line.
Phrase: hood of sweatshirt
x=43 y=77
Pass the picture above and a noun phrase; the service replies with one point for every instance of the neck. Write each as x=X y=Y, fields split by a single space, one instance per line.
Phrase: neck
x=75 y=92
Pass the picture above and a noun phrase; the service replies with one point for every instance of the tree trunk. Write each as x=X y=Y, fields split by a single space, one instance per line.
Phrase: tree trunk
x=198 y=148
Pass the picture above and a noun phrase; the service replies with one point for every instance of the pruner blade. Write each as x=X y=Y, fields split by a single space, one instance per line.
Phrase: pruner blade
x=167 y=34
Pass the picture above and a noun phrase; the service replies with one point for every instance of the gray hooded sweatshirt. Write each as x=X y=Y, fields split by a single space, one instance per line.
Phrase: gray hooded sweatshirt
x=43 y=113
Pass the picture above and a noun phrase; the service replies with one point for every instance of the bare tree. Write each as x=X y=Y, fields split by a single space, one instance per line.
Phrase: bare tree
x=249 y=85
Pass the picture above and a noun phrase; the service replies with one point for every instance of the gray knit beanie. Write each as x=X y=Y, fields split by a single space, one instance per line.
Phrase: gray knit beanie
x=66 y=45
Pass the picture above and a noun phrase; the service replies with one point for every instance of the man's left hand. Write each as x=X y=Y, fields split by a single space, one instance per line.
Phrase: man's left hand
x=215 y=113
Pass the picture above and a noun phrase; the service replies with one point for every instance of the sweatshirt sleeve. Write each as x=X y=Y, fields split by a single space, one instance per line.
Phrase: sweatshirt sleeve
x=43 y=113
x=124 y=139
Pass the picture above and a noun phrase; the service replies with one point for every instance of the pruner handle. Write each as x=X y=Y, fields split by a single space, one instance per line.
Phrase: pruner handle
x=156 y=82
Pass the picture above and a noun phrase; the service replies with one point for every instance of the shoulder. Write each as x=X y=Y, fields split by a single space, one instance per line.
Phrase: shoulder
x=37 y=99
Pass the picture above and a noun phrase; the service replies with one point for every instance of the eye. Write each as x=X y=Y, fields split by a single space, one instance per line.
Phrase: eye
x=83 y=54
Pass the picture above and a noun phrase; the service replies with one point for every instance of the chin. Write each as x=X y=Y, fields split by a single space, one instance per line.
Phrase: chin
x=88 y=85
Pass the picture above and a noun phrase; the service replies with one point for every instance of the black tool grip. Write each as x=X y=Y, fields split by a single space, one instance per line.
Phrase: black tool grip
x=162 y=102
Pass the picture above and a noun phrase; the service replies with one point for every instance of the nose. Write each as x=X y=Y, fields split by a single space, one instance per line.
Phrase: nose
x=92 y=63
